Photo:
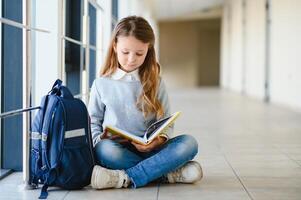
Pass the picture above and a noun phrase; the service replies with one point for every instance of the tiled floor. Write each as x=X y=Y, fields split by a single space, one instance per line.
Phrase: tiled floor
x=248 y=150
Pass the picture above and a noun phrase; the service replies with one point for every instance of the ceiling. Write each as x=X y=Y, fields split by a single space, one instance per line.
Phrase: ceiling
x=165 y=10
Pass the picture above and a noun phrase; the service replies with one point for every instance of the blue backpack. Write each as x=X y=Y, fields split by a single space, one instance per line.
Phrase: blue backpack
x=61 y=151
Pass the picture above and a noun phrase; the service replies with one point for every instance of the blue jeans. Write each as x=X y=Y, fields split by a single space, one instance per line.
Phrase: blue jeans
x=143 y=168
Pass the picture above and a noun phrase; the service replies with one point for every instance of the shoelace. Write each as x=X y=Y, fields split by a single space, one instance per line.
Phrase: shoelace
x=113 y=178
x=177 y=175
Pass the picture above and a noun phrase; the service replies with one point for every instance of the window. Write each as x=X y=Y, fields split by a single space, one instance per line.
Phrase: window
x=15 y=73
x=73 y=44
x=11 y=84
x=80 y=45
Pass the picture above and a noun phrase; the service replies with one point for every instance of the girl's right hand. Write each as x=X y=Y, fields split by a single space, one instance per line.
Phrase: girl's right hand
x=118 y=139
x=113 y=137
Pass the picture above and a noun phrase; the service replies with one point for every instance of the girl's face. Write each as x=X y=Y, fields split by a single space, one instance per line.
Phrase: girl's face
x=130 y=52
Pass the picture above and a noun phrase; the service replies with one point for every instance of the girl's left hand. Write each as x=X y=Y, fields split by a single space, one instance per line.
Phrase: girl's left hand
x=158 y=141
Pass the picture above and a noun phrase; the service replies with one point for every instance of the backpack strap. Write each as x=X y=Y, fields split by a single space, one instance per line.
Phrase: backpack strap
x=45 y=131
x=46 y=168
x=35 y=143
x=44 y=192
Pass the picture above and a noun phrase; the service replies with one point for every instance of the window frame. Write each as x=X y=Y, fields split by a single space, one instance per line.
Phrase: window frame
x=0 y=85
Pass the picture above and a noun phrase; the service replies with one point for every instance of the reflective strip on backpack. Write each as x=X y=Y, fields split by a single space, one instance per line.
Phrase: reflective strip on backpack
x=75 y=133
x=38 y=136
x=35 y=136
x=44 y=137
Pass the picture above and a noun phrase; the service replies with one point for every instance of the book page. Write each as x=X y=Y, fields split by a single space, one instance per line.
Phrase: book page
x=161 y=125
x=125 y=134
x=155 y=126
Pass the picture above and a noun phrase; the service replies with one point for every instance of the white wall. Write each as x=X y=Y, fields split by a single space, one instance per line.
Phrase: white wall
x=236 y=46
x=243 y=58
x=285 y=56
x=225 y=47
x=255 y=42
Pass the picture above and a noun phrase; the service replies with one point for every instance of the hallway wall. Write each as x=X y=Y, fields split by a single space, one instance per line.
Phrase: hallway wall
x=285 y=59
x=236 y=40
x=189 y=52
x=258 y=58
x=255 y=44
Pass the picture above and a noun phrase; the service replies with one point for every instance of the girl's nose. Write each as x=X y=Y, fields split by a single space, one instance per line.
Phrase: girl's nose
x=132 y=57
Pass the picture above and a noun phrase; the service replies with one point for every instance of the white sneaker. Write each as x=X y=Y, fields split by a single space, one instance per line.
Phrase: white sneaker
x=189 y=173
x=106 y=178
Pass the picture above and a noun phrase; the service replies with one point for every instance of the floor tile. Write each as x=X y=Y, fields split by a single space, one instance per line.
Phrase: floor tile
x=223 y=189
x=147 y=193
x=288 y=188
x=13 y=188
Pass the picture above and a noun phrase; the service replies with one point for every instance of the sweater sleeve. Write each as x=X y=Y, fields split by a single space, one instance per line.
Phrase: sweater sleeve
x=96 y=110
x=163 y=98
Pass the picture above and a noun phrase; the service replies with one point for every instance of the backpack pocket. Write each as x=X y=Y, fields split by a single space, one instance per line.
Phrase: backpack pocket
x=75 y=168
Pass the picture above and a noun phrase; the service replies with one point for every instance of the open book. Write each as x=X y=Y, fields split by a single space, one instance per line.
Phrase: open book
x=151 y=132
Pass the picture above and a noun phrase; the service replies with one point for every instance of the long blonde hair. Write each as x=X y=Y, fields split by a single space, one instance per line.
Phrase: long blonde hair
x=149 y=71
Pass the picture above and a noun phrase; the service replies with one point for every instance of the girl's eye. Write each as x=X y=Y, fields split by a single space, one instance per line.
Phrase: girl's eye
x=125 y=52
x=139 y=54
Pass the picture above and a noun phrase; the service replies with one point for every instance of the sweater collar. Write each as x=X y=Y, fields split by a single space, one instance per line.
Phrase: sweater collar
x=119 y=74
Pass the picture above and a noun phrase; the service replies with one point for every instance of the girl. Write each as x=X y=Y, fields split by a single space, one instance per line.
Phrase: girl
x=131 y=95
